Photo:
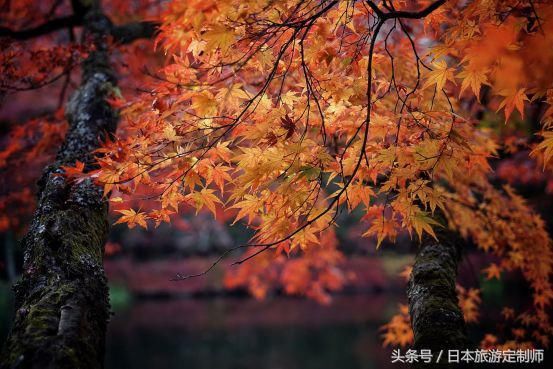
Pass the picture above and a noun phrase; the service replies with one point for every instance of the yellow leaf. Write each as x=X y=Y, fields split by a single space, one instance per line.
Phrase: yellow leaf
x=108 y=178
x=421 y=222
x=248 y=207
x=439 y=75
x=132 y=218
x=219 y=37
x=204 y=104
x=233 y=96
x=169 y=133
x=546 y=146
x=382 y=228
x=204 y=198
x=196 y=47
x=474 y=78
x=398 y=331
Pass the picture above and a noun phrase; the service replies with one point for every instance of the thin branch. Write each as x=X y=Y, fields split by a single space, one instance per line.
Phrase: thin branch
x=127 y=33
x=124 y=34
x=405 y=14
x=44 y=29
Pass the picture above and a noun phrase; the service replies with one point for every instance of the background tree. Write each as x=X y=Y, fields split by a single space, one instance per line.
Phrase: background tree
x=62 y=304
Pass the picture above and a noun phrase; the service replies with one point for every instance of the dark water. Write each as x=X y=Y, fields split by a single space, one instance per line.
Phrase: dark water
x=6 y=310
x=242 y=334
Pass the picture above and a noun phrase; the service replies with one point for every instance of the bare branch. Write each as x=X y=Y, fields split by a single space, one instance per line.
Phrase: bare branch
x=44 y=29
x=130 y=32
x=124 y=34
x=405 y=14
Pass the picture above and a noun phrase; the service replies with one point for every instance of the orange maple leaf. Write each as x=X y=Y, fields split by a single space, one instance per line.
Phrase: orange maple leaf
x=439 y=75
x=493 y=271
x=132 y=218
x=74 y=172
x=513 y=99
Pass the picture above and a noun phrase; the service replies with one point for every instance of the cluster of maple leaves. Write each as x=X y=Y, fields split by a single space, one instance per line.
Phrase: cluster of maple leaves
x=31 y=146
x=288 y=113
x=37 y=74
x=314 y=274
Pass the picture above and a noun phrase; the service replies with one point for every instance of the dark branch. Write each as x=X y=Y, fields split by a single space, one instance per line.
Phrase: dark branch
x=43 y=29
x=130 y=32
x=124 y=34
x=405 y=14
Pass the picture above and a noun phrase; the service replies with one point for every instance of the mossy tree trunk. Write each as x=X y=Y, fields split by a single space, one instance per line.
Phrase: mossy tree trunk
x=61 y=301
x=436 y=318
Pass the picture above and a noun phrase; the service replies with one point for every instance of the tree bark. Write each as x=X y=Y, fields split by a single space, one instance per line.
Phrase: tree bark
x=62 y=304
x=436 y=318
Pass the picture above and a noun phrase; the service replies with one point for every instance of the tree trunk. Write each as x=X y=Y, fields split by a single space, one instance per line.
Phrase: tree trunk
x=436 y=318
x=62 y=305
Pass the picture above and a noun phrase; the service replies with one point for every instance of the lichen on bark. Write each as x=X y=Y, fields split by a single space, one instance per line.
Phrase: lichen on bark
x=436 y=318
x=62 y=305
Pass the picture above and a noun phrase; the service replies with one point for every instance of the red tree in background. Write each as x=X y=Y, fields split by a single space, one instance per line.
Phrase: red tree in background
x=61 y=301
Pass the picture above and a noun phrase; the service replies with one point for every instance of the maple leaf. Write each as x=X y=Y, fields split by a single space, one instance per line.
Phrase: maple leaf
x=233 y=95
x=108 y=177
x=289 y=98
x=382 y=228
x=310 y=173
x=132 y=218
x=406 y=272
x=196 y=47
x=493 y=271
x=219 y=37
x=513 y=99
x=474 y=78
x=359 y=193
x=440 y=74
x=205 y=197
x=469 y=301
x=421 y=222
x=160 y=215
x=219 y=175
x=289 y=125
x=204 y=103
x=74 y=172
x=398 y=331
x=216 y=149
x=543 y=298
x=169 y=133
x=546 y=146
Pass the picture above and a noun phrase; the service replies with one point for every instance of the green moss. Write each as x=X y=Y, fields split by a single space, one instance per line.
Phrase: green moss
x=62 y=300
x=436 y=317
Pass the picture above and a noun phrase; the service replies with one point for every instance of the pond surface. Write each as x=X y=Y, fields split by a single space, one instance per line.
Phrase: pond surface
x=241 y=333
